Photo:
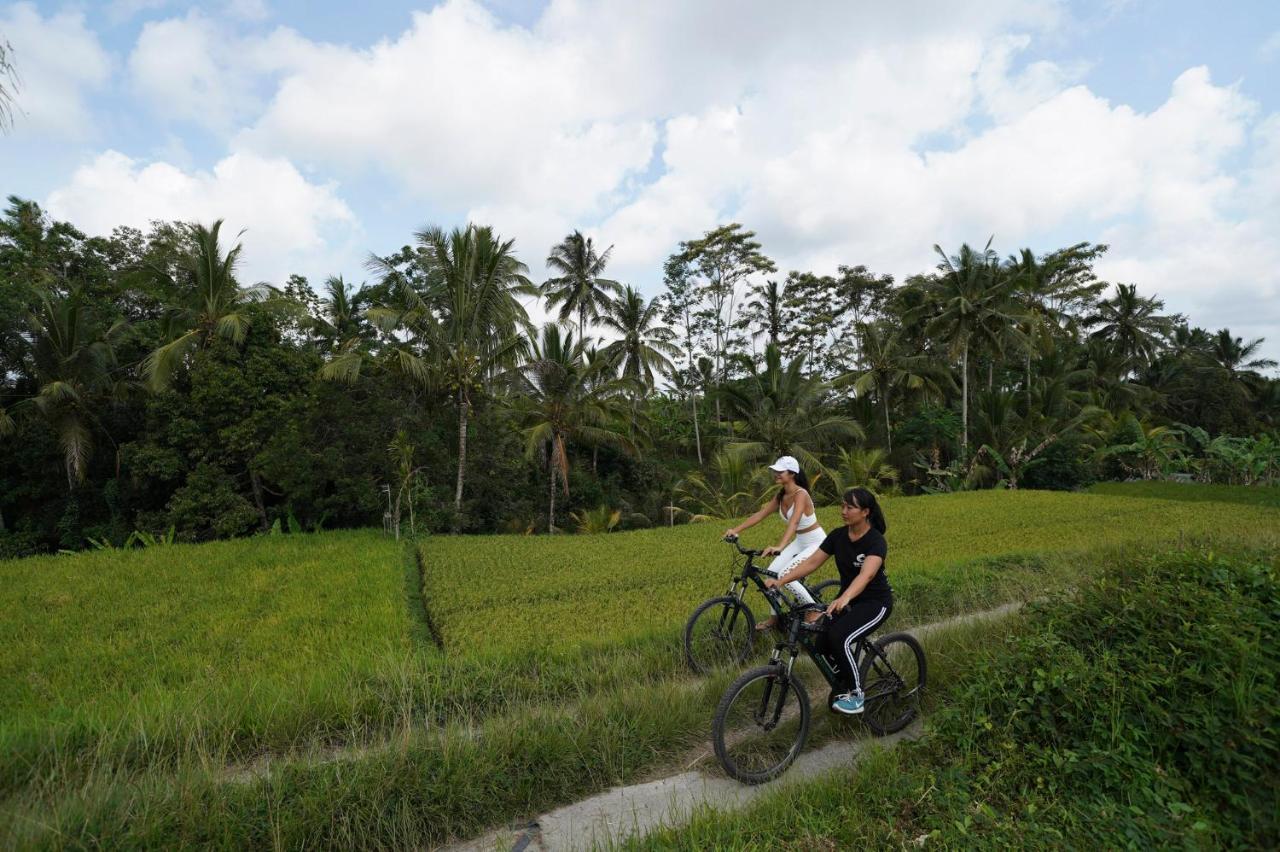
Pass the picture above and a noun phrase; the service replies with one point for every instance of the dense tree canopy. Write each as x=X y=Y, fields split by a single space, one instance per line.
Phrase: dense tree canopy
x=143 y=386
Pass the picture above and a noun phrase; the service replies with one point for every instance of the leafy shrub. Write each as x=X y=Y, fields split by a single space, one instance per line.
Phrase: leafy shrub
x=1063 y=466
x=15 y=544
x=209 y=506
x=1145 y=709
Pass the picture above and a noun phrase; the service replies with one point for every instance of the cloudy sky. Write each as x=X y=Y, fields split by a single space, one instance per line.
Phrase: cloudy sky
x=841 y=132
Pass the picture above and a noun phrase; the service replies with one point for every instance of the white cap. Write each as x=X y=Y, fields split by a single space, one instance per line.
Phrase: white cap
x=785 y=463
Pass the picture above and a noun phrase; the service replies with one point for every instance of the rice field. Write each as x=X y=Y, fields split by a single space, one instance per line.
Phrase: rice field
x=340 y=689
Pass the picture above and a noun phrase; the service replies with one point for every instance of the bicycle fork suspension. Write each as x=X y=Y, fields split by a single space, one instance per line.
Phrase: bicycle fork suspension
x=781 y=684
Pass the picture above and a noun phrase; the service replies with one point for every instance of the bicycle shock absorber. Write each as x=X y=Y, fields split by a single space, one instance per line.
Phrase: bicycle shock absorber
x=792 y=660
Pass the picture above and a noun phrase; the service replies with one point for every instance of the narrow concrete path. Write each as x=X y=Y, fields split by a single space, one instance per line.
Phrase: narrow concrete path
x=615 y=815
x=630 y=811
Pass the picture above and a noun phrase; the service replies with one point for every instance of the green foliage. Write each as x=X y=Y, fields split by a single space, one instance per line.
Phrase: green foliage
x=1135 y=707
x=602 y=519
x=209 y=506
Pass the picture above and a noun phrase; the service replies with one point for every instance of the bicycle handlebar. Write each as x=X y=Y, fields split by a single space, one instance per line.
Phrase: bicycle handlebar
x=733 y=539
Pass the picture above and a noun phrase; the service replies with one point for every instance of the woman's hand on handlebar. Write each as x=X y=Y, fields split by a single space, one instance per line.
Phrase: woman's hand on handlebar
x=836 y=607
x=771 y=551
x=730 y=534
x=772 y=583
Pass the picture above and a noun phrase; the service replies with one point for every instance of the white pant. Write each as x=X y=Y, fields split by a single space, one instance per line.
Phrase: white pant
x=800 y=549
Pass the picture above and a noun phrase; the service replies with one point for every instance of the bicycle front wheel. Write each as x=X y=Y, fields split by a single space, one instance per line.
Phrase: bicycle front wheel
x=761 y=724
x=719 y=634
x=893 y=676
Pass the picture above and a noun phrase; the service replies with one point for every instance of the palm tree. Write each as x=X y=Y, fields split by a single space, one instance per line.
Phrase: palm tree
x=578 y=288
x=341 y=317
x=463 y=328
x=644 y=348
x=71 y=366
x=560 y=398
x=766 y=309
x=886 y=365
x=973 y=304
x=8 y=85
x=1034 y=290
x=864 y=468
x=1236 y=357
x=1132 y=325
x=784 y=413
x=213 y=304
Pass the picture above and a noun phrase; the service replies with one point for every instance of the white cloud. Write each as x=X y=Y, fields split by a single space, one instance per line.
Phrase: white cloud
x=248 y=10
x=290 y=224
x=192 y=69
x=853 y=133
x=58 y=61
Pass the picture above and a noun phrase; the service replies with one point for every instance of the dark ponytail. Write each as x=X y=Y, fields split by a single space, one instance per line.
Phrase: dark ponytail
x=866 y=500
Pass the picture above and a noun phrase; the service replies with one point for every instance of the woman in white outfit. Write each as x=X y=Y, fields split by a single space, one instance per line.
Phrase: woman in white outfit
x=803 y=533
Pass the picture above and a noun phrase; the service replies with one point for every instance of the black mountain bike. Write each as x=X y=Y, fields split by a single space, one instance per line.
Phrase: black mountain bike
x=721 y=632
x=763 y=718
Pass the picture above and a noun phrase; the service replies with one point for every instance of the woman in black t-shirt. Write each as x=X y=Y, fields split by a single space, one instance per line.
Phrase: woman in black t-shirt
x=865 y=599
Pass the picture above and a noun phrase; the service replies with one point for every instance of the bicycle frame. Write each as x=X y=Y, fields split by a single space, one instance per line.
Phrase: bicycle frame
x=798 y=635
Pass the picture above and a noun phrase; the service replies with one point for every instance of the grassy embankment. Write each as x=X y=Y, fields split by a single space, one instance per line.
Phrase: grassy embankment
x=560 y=673
x=1192 y=492
x=1142 y=711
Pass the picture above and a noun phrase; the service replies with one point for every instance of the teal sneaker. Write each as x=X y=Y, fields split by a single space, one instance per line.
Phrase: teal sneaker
x=850 y=704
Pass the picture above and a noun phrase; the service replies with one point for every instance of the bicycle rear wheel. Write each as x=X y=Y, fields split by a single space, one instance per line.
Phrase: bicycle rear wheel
x=893 y=681
x=718 y=634
x=761 y=724
x=826 y=591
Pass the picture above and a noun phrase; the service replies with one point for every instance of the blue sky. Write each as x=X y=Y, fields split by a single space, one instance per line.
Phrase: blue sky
x=842 y=135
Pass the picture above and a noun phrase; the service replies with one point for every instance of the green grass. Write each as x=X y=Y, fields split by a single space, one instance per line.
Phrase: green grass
x=1250 y=495
x=132 y=681
x=561 y=592
x=427 y=786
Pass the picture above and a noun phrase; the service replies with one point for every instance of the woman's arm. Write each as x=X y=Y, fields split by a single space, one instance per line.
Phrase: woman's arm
x=869 y=568
x=804 y=569
x=753 y=520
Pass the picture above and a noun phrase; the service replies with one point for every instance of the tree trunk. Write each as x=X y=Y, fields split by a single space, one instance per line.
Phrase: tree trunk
x=888 y=432
x=413 y=529
x=462 y=455
x=257 y=497
x=697 y=438
x=551 y=511
x=1028 y=382
x=964 y=395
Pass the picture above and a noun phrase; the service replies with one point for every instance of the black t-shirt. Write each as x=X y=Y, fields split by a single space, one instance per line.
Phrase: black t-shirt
x=850 y=555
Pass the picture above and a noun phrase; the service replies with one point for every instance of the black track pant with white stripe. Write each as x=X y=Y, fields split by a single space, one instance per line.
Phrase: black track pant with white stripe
x=856 y=621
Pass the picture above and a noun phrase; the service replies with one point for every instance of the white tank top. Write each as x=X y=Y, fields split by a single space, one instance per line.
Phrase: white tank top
x=806 y=521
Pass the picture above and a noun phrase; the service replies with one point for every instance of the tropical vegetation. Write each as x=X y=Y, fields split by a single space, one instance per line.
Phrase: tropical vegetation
x=144 y=385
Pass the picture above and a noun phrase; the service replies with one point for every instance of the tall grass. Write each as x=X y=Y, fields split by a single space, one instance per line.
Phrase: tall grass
x=423 y=787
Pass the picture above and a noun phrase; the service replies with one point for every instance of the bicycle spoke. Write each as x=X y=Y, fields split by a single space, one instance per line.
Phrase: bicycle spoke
x=761 y=728
x=719 y=636
x=893 y=681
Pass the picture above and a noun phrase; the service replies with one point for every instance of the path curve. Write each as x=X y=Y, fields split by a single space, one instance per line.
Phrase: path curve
x=636 y=809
